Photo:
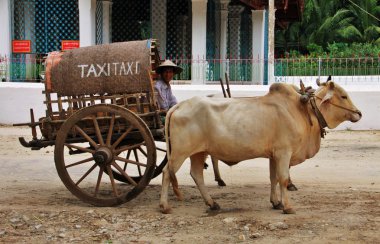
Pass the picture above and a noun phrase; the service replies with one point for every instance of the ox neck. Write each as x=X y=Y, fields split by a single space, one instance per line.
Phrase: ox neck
x=321 y=120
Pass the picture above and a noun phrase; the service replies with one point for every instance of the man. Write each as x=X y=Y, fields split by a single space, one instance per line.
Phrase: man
x=165 y=97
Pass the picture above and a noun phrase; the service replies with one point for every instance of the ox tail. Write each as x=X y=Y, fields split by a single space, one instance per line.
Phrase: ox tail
x=167 y=129
x=173 y=178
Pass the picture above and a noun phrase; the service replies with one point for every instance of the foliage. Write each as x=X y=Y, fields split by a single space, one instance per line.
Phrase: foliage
x=333 y=26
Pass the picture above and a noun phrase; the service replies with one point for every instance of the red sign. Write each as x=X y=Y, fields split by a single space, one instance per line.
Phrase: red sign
x=69 y=44
x=21 y=46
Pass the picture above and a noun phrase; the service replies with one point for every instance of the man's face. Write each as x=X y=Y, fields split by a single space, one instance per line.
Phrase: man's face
x=167 y=75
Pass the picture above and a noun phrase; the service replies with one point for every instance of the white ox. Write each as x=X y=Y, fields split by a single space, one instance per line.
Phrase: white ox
x=275 y=126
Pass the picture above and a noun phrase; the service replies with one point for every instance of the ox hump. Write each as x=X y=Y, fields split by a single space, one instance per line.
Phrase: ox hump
x=281 y=88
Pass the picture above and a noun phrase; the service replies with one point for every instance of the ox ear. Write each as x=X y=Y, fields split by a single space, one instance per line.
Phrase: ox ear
x=330 y=92
x=319 y=83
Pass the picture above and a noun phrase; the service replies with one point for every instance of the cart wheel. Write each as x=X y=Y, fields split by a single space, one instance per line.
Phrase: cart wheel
x=91 y=142
x=139 y=155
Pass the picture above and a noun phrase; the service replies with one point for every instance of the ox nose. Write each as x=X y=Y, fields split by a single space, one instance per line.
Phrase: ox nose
x=360 y=113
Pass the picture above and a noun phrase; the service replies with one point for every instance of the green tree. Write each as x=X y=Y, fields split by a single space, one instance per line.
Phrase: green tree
x=325 y=22
x=365 y=24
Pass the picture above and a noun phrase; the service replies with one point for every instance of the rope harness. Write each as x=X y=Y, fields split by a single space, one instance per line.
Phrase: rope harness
x=307 y=95
x=321 y=120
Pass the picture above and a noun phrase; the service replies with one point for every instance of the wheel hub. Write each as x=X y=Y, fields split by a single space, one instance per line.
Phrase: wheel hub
x=103 y=156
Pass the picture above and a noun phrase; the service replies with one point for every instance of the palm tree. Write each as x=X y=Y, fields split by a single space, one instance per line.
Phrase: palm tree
x=326 y=21
x=365 y=24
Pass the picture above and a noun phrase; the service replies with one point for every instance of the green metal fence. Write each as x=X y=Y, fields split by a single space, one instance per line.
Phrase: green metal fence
x=241 y=71
x=328 y=66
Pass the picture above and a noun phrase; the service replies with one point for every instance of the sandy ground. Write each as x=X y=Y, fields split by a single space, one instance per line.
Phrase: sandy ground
x=338 y=201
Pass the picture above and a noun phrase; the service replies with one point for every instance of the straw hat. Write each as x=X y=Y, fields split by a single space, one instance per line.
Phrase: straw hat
x=168 y=64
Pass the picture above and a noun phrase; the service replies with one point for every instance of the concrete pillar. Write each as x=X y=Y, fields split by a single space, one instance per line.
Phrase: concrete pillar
x=158 y=17
x=198 y=41
x=87 y=31
x=258 y=32
x=6 y=32
x=222 y=9
x=107 y=17
x=5 y=27
x=271 y=27
x=235 y=20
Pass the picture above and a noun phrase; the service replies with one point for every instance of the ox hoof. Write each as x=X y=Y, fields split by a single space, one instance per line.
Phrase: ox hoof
x=221 y=183
x=214 y=207
x=289 y=211
x=292 y=187
x=165 y=210
x=278 y=206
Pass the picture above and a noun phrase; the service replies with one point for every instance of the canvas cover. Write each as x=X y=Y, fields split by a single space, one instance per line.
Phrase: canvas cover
x=110 y=68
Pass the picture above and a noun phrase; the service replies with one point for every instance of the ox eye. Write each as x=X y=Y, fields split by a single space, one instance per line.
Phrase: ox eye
x=344 y=97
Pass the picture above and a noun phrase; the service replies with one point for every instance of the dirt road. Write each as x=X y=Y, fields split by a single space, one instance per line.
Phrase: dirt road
x=338 y=201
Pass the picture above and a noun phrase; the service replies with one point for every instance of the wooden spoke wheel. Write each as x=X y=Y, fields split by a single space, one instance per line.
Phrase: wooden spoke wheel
x=92 y=141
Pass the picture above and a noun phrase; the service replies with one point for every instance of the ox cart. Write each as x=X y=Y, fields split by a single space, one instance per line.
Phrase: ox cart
x=102 y=118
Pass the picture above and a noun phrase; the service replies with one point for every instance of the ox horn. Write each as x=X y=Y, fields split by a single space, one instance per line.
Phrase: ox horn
x=319 y=83
x=302 y=86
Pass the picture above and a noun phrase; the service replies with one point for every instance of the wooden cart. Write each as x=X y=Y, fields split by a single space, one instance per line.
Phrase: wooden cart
x=102 y=118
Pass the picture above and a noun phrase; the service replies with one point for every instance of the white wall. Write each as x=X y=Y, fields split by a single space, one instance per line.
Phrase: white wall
x=5 y=27
x=87 y=31
x=17 y=98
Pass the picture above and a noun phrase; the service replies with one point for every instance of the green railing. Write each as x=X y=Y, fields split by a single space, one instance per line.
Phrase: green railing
x=22 y=67
x=241 y=71
x=327 y=66
x=211 y=70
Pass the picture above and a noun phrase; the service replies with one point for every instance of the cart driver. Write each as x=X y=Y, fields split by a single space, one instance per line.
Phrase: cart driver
x=165 y=96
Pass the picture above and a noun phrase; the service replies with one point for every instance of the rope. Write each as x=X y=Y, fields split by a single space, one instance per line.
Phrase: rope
x=364 y=10
x=336 y=105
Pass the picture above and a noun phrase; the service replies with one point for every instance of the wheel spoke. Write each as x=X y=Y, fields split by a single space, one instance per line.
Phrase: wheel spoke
x=101 y=169
x=87 y=137
x=137 y=159
x=122 y=137
x=142 y=151
x=83 y=149
x=124 y=173
x=97 y=130
x=110 y=174
x=85 y=175
x=121 y=149
x=109 y=135
x=130 y=161
x=80 y=162
x=160 y=149
x=125 y=164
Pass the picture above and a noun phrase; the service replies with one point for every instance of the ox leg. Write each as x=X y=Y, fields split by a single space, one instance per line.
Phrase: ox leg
x=273 y=185
x=168 y=175
x=282 y=170
x=215 y=166
x=164 y=205
x=196 y=171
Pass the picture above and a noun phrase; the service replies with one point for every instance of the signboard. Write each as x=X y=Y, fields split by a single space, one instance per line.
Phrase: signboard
x=21 y=46
x=69 y=44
